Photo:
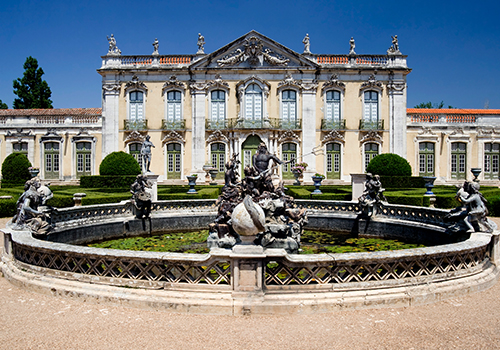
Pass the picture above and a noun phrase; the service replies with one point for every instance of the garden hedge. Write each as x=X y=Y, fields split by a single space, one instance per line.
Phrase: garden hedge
x=389 y=164
x=15 y=170
x=100 y=181
x=119 y=163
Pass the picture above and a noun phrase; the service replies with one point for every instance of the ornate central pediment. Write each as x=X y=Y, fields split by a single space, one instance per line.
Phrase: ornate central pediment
x=253 y=50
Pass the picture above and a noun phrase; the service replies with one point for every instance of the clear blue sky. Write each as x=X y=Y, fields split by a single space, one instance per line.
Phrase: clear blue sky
x=452 y=46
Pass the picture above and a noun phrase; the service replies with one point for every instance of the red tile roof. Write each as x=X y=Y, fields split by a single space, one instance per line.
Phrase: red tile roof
x=51 y=112
x=451 y=111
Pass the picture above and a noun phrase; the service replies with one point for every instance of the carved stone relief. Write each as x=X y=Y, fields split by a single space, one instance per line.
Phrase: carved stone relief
x=254 y=53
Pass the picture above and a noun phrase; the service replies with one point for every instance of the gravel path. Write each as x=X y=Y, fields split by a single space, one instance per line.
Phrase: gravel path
x=34 y=321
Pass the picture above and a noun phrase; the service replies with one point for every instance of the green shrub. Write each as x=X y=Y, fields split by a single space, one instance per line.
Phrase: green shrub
x=389 y=164
x=99 y=181
x=119 y=163
x=15 y=170
x=7 y=207
x=402 y=182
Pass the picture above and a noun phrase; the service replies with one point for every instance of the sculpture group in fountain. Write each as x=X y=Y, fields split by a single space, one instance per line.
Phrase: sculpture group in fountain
x=31 y=210
x=471 y=215
x=372 y=196
x=256 y=208
x=141 y=197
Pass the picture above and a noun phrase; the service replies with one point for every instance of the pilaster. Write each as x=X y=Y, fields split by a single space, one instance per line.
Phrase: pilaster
x=110 y=118
x=397 y=117
x=198 y=129
x=309 y=129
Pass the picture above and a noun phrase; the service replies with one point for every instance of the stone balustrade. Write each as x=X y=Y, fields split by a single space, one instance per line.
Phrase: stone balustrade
x=362 y=60
x=442 y=118
x=145 y=61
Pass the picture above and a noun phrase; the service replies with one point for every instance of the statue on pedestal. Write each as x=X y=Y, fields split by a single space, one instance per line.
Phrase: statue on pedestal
x=201 y=44
x=307 y=44
x=113 y=49
x=146 y=154
x=352 y=45
x=156 y=44
x=141 y=198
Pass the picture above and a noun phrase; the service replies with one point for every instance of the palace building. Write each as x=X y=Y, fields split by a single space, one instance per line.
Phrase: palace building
x=334 y=112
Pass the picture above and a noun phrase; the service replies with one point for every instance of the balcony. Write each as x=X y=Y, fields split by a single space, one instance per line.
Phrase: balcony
x=269 y=123
x=371 y=125
x=329 y=124
x=173 y=124
x=136 y=124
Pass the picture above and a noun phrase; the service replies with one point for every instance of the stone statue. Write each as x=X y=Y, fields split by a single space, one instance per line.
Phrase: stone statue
x=201 y=44
x=141 y=198
x=146 y=154
x=29 y=209
x=352 y=45
x=231 y=175
x=113 y=49
x=372 y=195
x=307 y=44
x=256 y=209
x=470 y=216
x=155 y=47
x=394 y=49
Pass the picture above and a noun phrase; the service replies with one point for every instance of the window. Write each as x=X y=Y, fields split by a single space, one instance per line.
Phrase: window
x=173 y=161
x=458 y=160
x=333 y=161
x=218 y=156
x=174 y=111
x=135 y=150
x=289 y=109
x=370 y=117
x=332 y=106
x=426 y=159
x=491 y=158
x=20 y=147
x=371 y=151
x=136 y=105
x=289 y=151
x=253 y=106
x=218 y=117
x=51 y=160
x=83 y=159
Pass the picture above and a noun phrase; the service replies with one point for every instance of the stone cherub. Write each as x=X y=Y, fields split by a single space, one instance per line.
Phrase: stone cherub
x=140 y=197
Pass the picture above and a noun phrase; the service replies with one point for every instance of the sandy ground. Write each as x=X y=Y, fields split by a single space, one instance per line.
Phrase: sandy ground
x=33 y=321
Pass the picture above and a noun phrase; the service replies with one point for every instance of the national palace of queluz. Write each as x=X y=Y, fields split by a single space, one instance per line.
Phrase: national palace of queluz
x=334 y=112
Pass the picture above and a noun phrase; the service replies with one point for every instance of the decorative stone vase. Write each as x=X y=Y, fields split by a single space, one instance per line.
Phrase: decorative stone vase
x=475 y=172
x=213 y=173
x=191 y=183
x=317 y=182
x=206 y=168
x=34 y=172
x=297 y=175
x=429 y=184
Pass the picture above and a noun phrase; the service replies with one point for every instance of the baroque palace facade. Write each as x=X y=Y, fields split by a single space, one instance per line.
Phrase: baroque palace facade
x=333 y=112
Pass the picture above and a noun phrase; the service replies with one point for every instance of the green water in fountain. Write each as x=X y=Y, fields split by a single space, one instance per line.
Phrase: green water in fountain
x=312 y=242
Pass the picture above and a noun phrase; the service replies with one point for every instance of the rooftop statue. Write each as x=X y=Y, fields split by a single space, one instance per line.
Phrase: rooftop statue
x=201 y=44
x=113 y=49
x=352 y=45
x=146 y=154
x=394 y=49
x=307 y=44
x=156 y=44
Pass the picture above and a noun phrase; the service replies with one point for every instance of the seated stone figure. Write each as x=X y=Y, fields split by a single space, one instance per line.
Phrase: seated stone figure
x=140 y=197
x=28 y=214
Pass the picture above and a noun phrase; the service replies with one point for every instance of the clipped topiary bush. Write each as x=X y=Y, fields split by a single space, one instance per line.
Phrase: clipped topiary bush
x=119 y=163
x=389 y=164
x=15 y=170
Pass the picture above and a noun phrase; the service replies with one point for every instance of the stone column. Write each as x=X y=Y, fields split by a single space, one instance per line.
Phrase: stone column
x=397 y=117
x=110 y=118
x=309 y=129
x=198 y=130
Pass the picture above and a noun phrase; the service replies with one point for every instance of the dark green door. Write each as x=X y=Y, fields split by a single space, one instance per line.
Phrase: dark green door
x=248 y=149
x=51 y=160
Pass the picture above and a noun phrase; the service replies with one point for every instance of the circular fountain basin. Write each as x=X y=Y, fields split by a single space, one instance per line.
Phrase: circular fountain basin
x=249 y=279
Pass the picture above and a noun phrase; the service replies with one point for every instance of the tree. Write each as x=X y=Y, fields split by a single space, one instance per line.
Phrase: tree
x=3 y=105
x=389 y=164
x=15 y=169
x=33 y=92
x=432 y=105
x=119 y=163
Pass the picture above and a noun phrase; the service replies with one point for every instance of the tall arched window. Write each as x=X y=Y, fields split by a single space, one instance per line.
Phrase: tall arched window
x=371 y=151
x=136 y=110
x=426 y=159
x=83 y=159
x=289 y=151
x=370 y=117
x=458 y=160
x=218 y=156
x=218 y=115
x=173 y=161
x=20 y=147
x=174 y=110
x=135 y=150
x=51 y=160
x=253 y=106
x=491 y=161
x=332 y=105
x=333 y=161
x=288 y=109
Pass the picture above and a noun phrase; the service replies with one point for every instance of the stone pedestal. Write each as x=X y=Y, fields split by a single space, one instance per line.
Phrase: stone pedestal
x=358 y=185
x=248 y=273
x=153 y=180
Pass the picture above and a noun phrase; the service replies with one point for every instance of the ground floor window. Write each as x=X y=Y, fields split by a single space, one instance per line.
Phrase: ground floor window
x=51 y=160
x=333 y=161
x=371 y=151
x=173 y=161
x=426 y=159
x=83 y=159
x=20 y=147
x=135 y=150
x=458 y=160
x=218 y=157
x=491 y=157
x=289 y=151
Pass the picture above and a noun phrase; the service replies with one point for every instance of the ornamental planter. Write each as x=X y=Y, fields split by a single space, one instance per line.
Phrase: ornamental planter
x=429 y=184
x=297 y=174
x=191 y=183
x=317 y=183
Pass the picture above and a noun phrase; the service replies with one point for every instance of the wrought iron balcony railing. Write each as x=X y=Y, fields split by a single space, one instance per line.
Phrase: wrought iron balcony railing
x=269 y=123
x=173 y=124
x=136 y=124
x=216 y=124
x=371 y=125
x=329 y=124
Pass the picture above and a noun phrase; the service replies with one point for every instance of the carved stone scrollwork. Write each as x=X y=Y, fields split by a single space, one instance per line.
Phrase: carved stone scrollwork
x=287 y=136
x=333 y=83
x=134 y=137
x=371 y=83
x=198 y=87
x=289 y=81
x=217 y=136
x=274 y=60
x=173 y=83
x=253 y=51
x=241 y=86
x=396 y=87
x=135 y=84
x=19 y=133
x=333 y=136
x=111 y=88
x=218 y=83
x=231 y=59
x=173 y=136
x=372 y=135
